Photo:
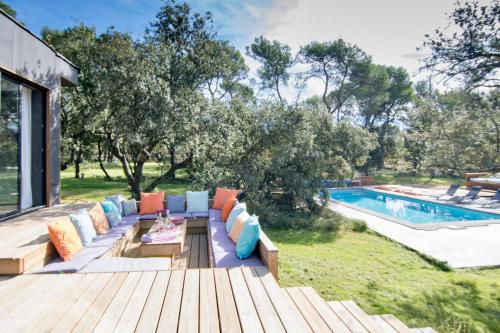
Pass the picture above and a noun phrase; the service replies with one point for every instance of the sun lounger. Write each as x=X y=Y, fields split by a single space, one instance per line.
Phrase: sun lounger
x=492 y=202
x=468 y=198
x=450 y=193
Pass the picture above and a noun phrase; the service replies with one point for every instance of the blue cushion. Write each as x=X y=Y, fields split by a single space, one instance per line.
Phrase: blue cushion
x=176 y=203
x=112 y=213
x=249 y=237
x=129 y=207
x=117 y=200
x=239 y=208
x=197 y=202
x=83 y=225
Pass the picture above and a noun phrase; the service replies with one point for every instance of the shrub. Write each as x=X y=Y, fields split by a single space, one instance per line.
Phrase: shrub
x=357 y=225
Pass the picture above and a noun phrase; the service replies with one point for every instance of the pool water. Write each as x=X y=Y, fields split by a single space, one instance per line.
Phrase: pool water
x=408 y=209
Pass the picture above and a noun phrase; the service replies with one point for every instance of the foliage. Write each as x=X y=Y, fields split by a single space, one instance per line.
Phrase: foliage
x=339 y=65
x=276 y=60
x=471 y=54
x=384 y=277
x=456 y=131
x=8 y=9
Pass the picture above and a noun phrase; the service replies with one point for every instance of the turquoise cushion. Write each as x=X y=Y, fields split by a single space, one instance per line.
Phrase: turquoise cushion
x=112 y=213
x=239 y=208
x=249 y=237
x=197 y=202
x=117 y=200
x=84 y=227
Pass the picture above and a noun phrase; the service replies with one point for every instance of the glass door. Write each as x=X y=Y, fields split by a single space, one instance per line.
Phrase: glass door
x=9 y=146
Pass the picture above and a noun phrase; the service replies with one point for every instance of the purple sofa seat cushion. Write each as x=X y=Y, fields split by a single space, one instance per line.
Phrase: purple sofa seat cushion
x=229 y=259
x=79 y=261
x=147 y=217
x=130 y=219
x=121 y=229
x=123 y=264
x=198 y=215
x=214 y=215
x=220 y=241
x=106 y=240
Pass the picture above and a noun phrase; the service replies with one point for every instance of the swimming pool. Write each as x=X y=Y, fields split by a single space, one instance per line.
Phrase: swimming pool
x=420 y=214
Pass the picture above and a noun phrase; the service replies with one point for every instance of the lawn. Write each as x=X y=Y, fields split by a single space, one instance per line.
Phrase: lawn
x=380 y=275
x=390 y=177
x=94 y=187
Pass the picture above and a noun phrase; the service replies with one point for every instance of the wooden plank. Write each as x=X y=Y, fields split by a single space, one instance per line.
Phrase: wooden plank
x=361 y=316
x=151 y=312
x=427 y=330
x=111 y=316
x=203 y=251
x=189 y=319
x=349 y=320
x=75 y=312
x=288 y=313
x=268 y=253
x=55 y=311
x=304 y=308
x=94 y=313
x=328 y=315
x=265 y=309
x=249 y=319
x=194 y=252
x=169 y=317
x=186 y=250
x=384 y=326
x=396 y=323
x=20 y=319
x=130 y=316
x=209 y=317
x=228 y=315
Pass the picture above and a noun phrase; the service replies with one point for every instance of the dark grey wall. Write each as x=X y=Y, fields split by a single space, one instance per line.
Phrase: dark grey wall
x=30 y=58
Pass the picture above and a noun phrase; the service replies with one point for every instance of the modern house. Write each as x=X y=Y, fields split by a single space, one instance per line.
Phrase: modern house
x=31 y=75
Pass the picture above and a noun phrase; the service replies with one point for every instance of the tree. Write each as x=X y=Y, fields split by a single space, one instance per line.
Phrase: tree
x=276 y=60
x=8 y=9
x=471 y=54
x=337 y=64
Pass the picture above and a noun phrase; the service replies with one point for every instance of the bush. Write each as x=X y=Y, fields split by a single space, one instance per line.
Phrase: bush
x=357 y=225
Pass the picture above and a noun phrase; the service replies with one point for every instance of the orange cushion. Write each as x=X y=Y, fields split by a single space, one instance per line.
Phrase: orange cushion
x=222 y=195
x=228 y=207
x=65 y=238
x=152 y=202
x=99 y=219
x=239 y=223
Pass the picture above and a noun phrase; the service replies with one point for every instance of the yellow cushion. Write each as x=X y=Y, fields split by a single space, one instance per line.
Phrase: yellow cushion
x=228 y=207
x=65 y=238
x=239 y=223
x=99 y=219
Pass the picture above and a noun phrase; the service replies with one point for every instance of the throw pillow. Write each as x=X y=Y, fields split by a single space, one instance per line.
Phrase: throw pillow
x=221 y=196
x=112 y=214
x=84 y=226
x=176 y=204
x=197 y=202
x=65 y=239
x=117 y=200
x=129 y=207
x=152 y=202
x=239 y=208
x=239 y=223
x=249 y=237
x=228 y=207
x=99 y=219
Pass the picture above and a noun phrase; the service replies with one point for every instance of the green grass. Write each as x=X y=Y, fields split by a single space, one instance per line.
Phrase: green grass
x=384 y=277
x=94 y=187
x=389 y=177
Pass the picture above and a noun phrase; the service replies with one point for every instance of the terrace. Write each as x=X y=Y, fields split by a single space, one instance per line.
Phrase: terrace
x=234 y=299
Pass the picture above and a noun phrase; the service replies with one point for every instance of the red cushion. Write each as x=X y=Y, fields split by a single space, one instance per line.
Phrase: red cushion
x=152 y=202
x=222 y=195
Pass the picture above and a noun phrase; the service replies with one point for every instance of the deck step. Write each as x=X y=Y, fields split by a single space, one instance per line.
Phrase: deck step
x=392 y=324
x=359 y=320
x=423 y=330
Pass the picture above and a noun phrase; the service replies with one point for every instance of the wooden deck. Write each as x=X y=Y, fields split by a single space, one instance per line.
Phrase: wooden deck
x=192 y=300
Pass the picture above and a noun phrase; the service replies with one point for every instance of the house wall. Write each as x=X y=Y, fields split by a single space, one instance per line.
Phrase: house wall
x=23 y=54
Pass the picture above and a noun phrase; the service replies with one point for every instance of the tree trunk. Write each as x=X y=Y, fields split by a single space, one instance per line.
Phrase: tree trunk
x=170 y=172
x=101 y=164
x=136 y=182
x=78 y=160
x=71 y=159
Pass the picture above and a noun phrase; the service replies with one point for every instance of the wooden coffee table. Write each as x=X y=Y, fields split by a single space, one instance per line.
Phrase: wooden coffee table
x=171 y=247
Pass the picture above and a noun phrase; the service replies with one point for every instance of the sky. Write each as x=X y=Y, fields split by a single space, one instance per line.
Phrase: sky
x=388 y=30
